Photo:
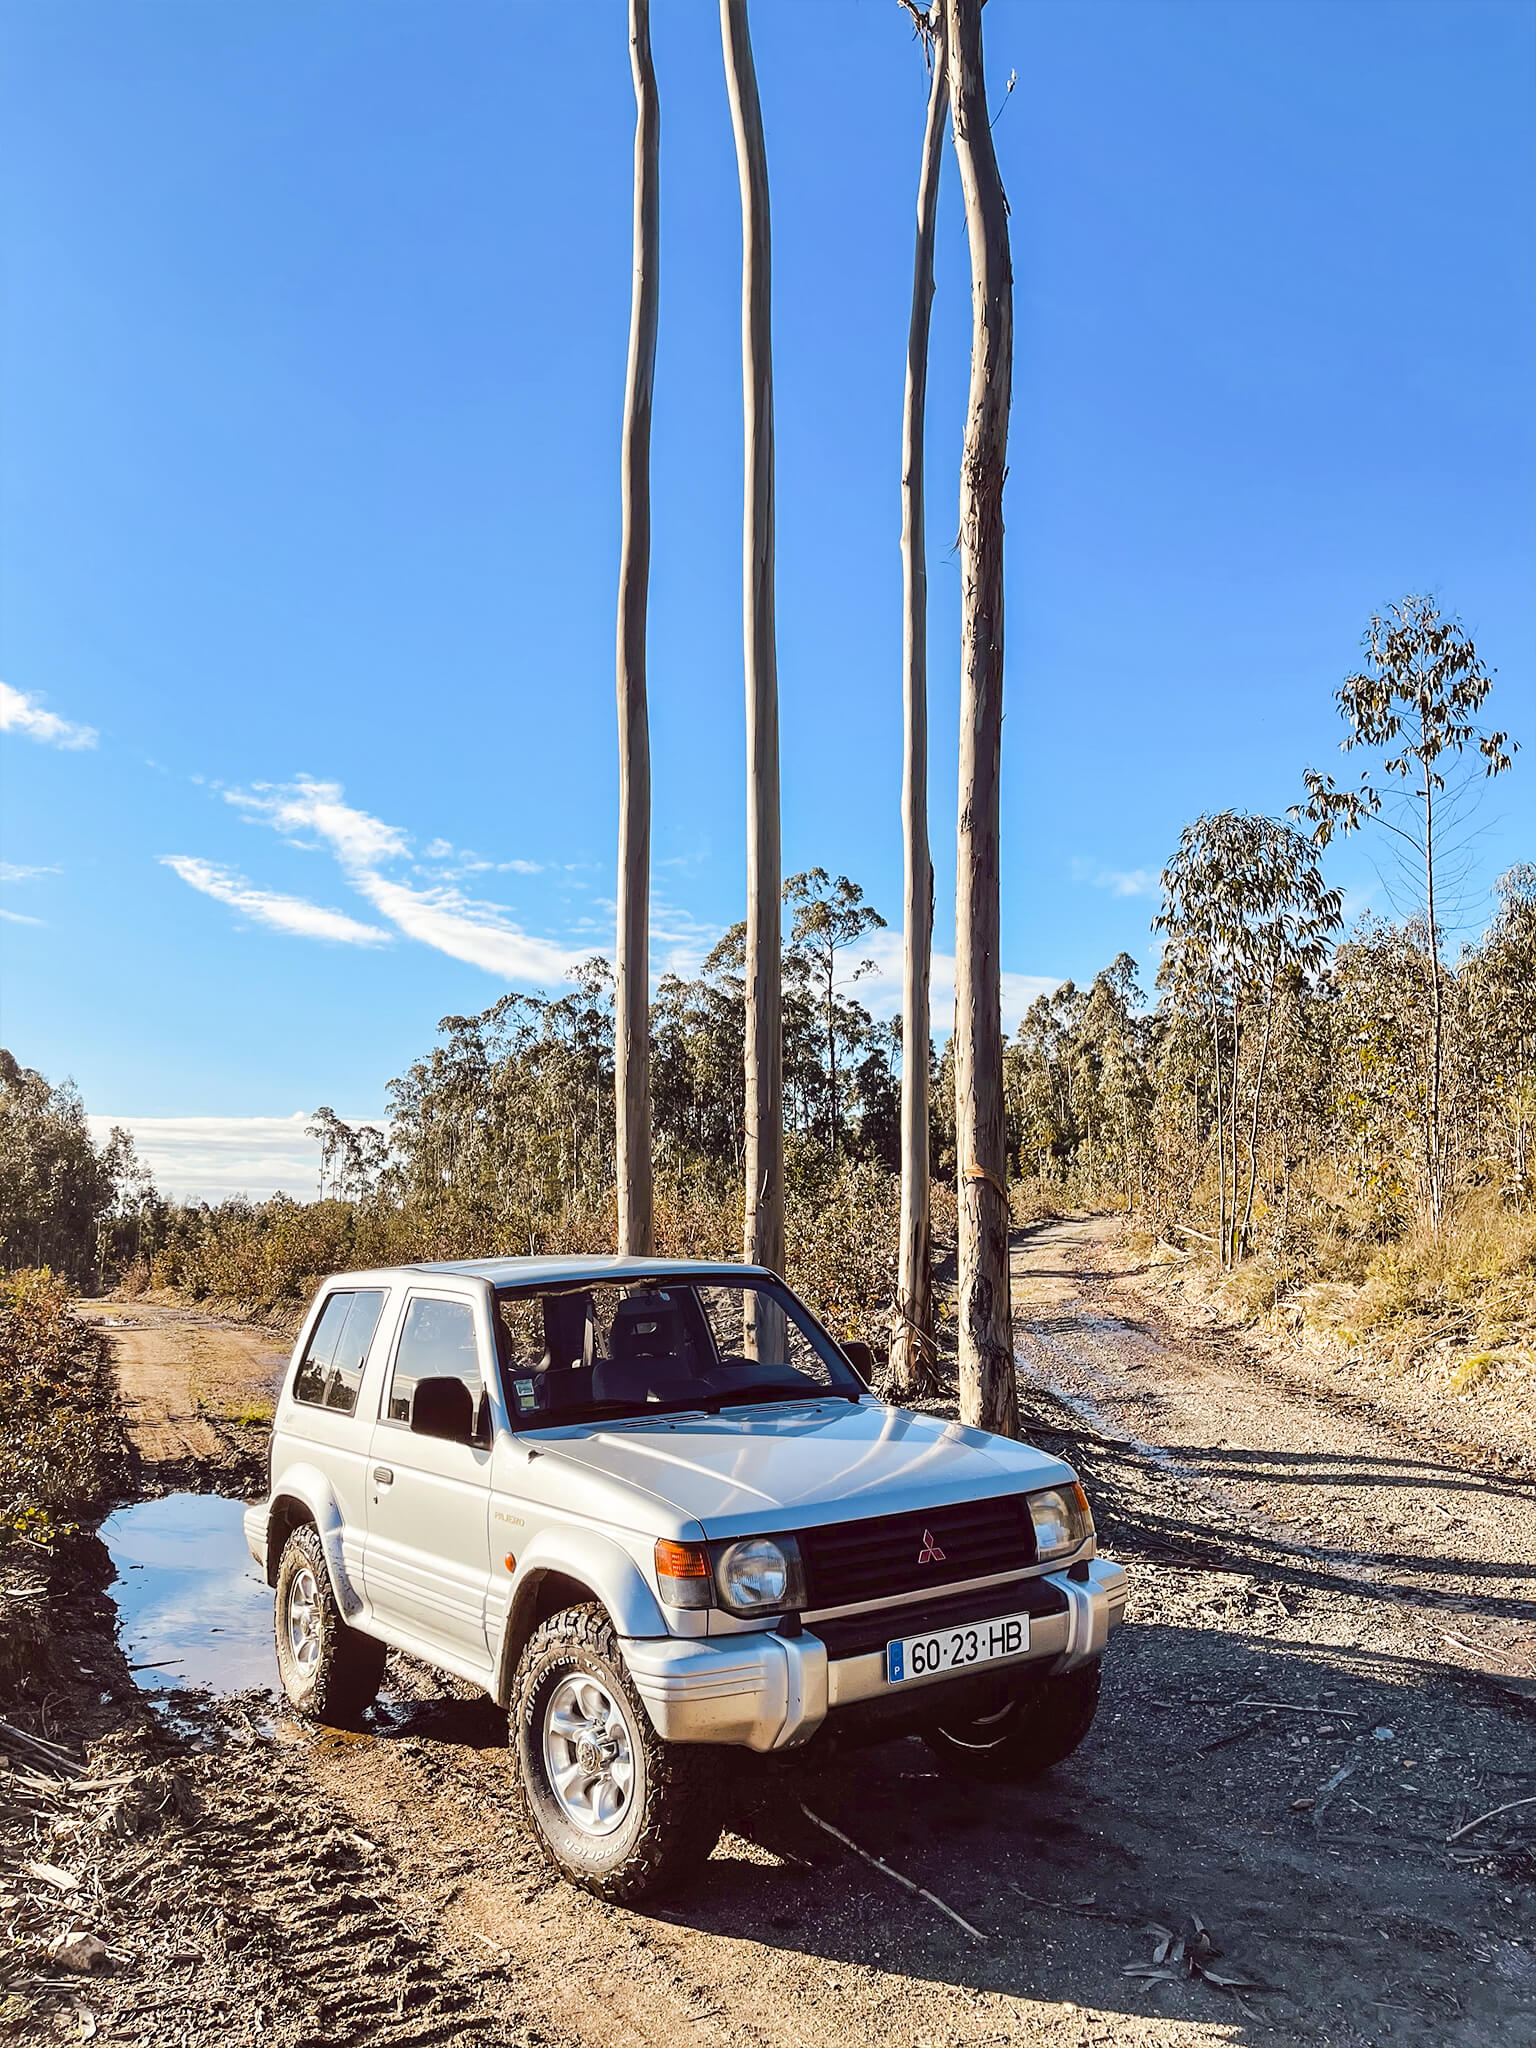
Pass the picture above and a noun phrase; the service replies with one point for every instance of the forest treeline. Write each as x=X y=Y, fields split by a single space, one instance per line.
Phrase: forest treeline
x=1282 y=1107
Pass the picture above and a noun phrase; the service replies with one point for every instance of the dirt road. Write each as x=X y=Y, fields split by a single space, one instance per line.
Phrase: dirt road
x=193 y=1385
x=1299 y=1713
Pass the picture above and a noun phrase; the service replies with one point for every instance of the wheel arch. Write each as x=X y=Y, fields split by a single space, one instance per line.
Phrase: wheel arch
x=305 y=1495
x=567 y=1568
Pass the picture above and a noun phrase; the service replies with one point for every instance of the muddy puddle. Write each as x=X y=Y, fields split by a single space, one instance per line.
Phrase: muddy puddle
x=193 y=1608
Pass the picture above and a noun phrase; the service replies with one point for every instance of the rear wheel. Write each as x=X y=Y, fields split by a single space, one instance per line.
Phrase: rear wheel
x=1025 y=1733
x=613 y=1807
x=330 y=1672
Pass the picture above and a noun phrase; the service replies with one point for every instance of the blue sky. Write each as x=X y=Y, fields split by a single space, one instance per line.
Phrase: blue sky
x=312 y=349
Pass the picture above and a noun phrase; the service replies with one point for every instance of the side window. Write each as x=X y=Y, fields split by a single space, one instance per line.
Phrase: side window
x=331 y=1370
x=438 y=1342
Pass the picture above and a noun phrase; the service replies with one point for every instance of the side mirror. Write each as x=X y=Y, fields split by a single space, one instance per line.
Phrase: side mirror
x=861 y=1358
x=443 y=1407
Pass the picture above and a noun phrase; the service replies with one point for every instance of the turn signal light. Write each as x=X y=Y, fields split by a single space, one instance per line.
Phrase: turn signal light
x=683 y=1573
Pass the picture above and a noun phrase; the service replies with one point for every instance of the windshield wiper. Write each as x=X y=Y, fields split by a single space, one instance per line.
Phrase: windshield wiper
x=765 y=1391
x=605 y=1411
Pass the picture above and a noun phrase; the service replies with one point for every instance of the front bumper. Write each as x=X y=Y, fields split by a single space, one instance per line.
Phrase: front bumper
x=254 y=1522
x=766 y=1691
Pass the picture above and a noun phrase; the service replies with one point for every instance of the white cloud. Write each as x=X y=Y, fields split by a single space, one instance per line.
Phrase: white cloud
x=439 y=915
x=880 y=992
x=211 y=1158
x=23 y=714
x=16 y=917
x=283 y=913
x=1118 y=881
x=10 y=872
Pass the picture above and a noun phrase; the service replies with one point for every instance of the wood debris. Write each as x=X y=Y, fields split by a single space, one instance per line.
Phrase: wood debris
x=1189 y=1953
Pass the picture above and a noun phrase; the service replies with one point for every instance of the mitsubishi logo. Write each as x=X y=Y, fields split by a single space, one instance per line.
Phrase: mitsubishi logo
x=930 y=1552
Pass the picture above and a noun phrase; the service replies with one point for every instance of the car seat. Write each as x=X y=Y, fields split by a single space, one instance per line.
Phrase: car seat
x=652 y=1355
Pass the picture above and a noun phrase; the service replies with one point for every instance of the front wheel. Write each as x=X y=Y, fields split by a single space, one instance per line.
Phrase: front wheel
x=1025 y=1733
x=613 y=1807
x=330 y=1672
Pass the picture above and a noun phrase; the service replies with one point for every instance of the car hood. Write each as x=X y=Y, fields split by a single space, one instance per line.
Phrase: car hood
x=795 y=1465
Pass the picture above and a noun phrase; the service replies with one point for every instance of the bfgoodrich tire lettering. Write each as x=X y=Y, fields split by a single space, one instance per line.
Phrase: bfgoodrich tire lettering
x=330 y=1672
x=611 y=1805
x=1026 y=1733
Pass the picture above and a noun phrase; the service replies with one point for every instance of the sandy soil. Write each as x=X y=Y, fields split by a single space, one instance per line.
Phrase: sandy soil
x=1325 y=1674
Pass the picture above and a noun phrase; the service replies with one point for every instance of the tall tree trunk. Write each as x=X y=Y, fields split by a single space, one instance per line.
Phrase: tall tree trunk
x=763 y=1228
x=832 y=1119
x=1253 y=1127
x=1433 y=1144
x=1221 y=1126
x=631 y=994
x=913 y=1351
x=1238 y=1043
x=988 y=1387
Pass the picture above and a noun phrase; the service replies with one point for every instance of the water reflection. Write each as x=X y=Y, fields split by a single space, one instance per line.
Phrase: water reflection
x=194 y=1609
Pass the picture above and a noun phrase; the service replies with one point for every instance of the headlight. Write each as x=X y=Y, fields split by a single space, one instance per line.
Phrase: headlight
x=1062 y=1518
x=760 y=1575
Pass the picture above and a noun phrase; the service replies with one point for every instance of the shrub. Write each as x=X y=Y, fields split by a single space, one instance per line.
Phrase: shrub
x=64 y=1444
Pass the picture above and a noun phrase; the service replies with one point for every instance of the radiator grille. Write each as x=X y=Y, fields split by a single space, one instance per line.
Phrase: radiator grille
x=888 y=1554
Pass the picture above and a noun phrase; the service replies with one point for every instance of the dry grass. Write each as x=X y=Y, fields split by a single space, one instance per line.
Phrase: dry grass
x=1457 y=1308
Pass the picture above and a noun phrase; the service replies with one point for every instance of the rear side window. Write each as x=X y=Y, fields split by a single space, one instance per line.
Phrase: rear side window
x=331 y=1370
x=438 y=1342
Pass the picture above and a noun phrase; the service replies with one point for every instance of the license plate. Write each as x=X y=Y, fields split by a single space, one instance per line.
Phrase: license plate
x=956 y=1649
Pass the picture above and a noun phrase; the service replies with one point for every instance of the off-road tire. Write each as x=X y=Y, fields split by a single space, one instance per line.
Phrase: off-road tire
x=344 y=1673
x=1034 y=1729
x=673 y=1816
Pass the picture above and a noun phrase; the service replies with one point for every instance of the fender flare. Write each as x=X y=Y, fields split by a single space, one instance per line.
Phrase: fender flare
x=308 y=1485
x=595 y=1561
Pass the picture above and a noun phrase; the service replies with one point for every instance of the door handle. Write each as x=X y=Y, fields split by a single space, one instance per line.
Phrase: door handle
x=383 y=1475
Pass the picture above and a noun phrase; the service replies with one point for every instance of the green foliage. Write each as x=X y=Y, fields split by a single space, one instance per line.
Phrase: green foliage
x=64 y=1201
x=63 y=1446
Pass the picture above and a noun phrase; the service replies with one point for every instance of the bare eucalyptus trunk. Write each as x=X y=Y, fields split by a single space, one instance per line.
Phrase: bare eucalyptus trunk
x=988 y=1388
x=913 y=1354
x=1221 y=1127
x=631 y=995
x=1433 y=1141
x=1253 y=1126
x=763 y=1231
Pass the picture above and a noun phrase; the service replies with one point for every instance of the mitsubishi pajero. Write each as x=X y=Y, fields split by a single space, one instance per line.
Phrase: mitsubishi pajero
x=653 y=1509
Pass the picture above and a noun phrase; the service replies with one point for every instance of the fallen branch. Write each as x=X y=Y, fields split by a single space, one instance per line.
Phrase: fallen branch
x=917 y=1890
x=1286 y=1707
x=1492 y=1814
x=18 y=1738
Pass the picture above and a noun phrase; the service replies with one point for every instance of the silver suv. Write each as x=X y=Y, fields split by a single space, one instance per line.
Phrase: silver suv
x=652 y=1508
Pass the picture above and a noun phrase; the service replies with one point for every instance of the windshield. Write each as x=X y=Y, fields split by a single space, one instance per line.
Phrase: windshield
x=574 y=1353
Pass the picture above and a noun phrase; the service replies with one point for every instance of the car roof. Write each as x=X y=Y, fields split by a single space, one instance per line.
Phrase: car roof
x=564 y=1271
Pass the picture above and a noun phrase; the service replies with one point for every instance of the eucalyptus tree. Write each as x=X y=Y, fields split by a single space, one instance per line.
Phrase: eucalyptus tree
x=1414 y=705
x=352 y=1156
x=1245 y=910
x=763 y=1209
x=988 y=1387
x=913 y=1352
x=632 y=1055
x=830 y=918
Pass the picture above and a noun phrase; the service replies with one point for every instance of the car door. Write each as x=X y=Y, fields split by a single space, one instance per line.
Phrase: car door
x=426 y=1557
x=319 y=1420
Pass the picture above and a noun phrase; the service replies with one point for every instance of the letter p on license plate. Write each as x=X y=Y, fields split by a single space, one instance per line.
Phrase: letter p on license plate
x=957 y=1649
